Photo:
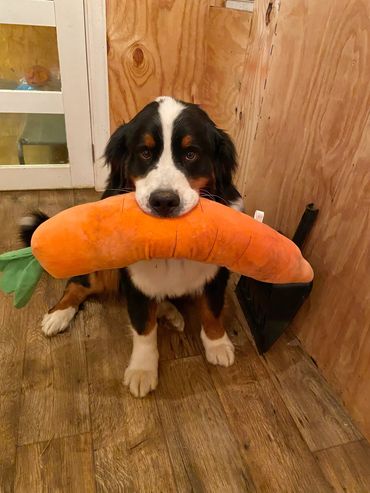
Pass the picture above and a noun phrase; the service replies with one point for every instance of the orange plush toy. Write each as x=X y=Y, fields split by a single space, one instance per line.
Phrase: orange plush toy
x=115 y=232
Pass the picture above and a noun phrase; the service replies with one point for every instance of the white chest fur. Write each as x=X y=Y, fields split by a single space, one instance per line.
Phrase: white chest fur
x=171 y=277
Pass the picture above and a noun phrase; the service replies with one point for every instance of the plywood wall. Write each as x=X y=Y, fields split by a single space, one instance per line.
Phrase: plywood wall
x=290 y=82
x=154 y=48
x=313 y=144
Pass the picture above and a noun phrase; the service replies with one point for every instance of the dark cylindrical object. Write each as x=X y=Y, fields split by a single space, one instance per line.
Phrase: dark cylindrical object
x=305 y=225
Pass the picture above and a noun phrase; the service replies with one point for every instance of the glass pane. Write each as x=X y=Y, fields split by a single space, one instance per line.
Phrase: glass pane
x=30 y=138
x=29 y=58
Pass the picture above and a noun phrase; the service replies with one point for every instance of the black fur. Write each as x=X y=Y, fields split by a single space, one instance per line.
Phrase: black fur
x=83 y=280
x=215 y=291
x=137 y=302
x=26 y=231
x=217 y=154
x=121 y=152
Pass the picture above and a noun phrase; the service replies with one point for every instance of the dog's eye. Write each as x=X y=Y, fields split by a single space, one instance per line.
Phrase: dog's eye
x=191 y=156
x=146 y=154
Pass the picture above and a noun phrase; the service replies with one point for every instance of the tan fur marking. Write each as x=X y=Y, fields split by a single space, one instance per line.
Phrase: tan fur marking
x=186 y=141
x=198 y=183
x=73 y=296
x=149 y=140
x=212 y=326
x=152 y=317
x=104 y=282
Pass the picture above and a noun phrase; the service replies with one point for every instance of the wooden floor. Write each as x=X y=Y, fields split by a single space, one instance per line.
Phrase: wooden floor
x=67 y=423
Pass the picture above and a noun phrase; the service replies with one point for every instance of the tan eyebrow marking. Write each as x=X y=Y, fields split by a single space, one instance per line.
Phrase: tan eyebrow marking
x=149 y=140
x=186 y=141
x=198 y=183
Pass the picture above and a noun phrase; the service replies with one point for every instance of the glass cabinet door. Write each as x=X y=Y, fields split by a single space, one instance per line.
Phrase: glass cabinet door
x=45 y=134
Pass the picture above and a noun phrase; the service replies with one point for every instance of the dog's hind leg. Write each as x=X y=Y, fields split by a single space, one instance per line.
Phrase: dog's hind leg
x=78 y=289
x=168 y=311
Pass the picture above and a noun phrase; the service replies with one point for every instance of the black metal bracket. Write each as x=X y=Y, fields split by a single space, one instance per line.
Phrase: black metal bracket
x=270 y=308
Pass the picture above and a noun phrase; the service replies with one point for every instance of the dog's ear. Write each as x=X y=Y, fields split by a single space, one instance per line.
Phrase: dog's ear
x=225 y=160
x=115 y=157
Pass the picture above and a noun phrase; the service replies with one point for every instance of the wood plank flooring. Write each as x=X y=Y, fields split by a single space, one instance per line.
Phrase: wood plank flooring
x=67 y=423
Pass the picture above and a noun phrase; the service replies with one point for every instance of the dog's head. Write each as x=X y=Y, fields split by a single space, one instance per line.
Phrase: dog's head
x=170 y=153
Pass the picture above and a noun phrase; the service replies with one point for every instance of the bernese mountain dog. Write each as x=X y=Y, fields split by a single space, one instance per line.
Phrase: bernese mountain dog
x=170 y=154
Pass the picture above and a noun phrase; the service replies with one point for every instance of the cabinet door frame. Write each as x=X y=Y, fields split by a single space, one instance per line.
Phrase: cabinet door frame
x=97 y=56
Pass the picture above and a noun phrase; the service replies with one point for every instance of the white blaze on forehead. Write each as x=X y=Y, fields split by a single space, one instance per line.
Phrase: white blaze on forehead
x=169 y=109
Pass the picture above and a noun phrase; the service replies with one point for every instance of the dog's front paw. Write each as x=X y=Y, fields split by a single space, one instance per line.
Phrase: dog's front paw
x=218 y=351
x=141 y=382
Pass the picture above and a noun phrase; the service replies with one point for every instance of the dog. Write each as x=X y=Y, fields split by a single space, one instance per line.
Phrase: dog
x=170 y=154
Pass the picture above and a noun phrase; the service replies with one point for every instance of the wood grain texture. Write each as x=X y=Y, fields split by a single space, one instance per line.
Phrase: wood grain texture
x=347 y=467
x=312 y=145
x=13 y=329
x=203 y=450
x=227 y=38
x=84 y=196
x=55 y=395
x=154 y=49
x=216 y=3
x=63 y=464
x=13 y=323
x=274 y=453
x=9 y=413
x=310 y=401
x=251 y=95
x=173 y=344
x=129 y=446
x=309 y=398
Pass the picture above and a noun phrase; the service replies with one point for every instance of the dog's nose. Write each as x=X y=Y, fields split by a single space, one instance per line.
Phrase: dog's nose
x=164 y=202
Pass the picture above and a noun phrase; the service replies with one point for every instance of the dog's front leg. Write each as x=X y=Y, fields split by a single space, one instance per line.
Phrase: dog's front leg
x=141 y=375
x=217 y=345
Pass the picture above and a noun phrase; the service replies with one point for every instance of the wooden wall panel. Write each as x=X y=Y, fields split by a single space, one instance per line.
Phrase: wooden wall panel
x=312 y=144
x=251 y=94
x=227 y=37
x=238 y=53
x=154 y=48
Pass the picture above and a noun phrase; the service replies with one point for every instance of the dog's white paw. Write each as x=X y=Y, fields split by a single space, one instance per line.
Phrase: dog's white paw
x=168 y=311
x=219 y=351
x=222 y=355
x=57 y=321
x=141 y=382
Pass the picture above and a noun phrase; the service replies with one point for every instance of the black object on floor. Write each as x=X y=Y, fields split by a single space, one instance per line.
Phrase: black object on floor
x=270 y=308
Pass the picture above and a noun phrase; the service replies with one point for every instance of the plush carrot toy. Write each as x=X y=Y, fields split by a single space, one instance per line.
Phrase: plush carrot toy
x=115 y=232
